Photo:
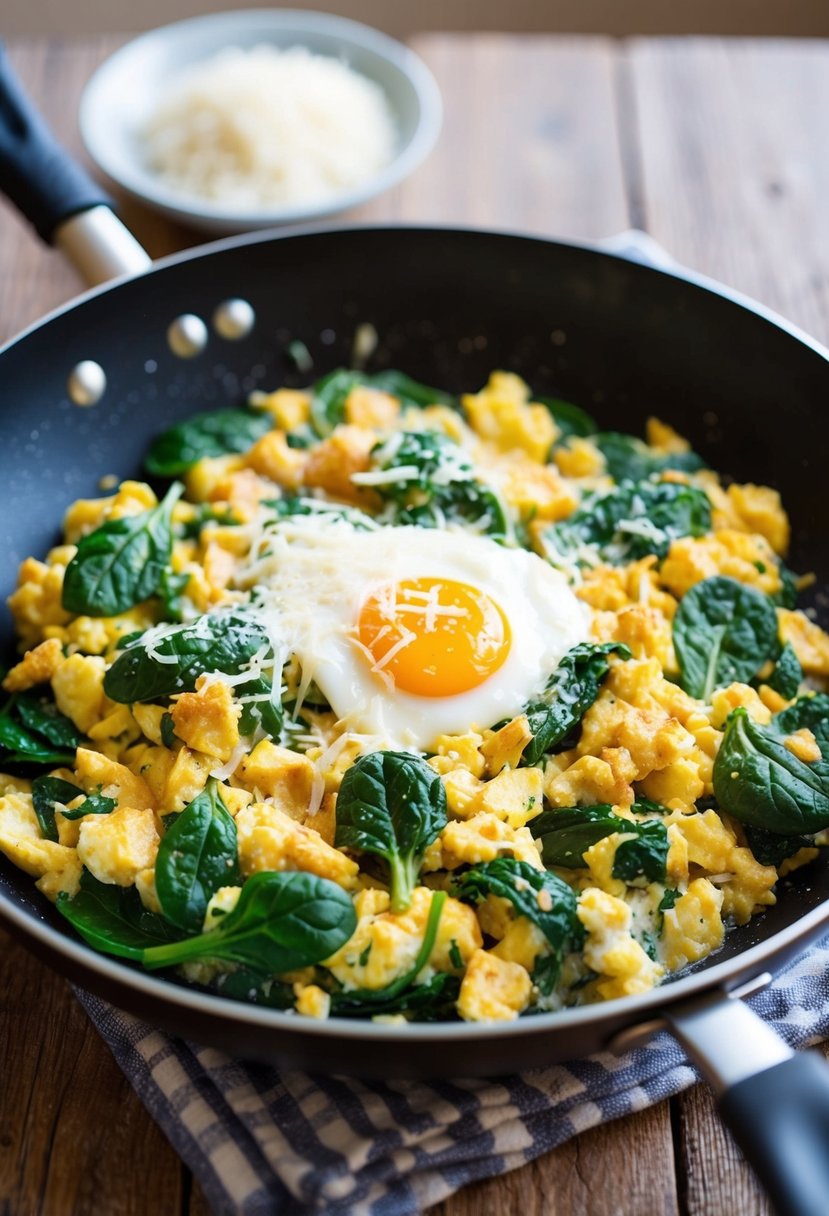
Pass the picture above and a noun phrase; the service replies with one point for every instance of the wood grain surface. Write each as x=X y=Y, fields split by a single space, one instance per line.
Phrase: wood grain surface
x=721 y=150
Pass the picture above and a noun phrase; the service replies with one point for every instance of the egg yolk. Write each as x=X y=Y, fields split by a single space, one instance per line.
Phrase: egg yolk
x=433 y=637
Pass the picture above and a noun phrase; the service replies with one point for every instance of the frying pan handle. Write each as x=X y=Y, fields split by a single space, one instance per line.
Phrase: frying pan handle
x=775 y=1103
x=56 y=194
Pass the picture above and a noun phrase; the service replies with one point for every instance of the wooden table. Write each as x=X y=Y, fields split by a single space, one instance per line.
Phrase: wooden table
x=719 y=149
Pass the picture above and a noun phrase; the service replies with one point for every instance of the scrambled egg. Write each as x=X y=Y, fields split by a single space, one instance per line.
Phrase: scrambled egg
x=641 y=738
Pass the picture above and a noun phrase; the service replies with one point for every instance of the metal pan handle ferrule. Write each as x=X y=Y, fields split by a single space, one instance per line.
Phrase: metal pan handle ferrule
x=56 y=194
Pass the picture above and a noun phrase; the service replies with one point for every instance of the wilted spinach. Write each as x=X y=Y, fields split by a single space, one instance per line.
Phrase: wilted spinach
x=215 y=433
x=43 y=718
x=786 y=597
x=50 y=792
x=261 y=706
x=197 y=855
x=253 y=987
x=632 y=521
x=543 y=898
x=47 y=792
x=122 y=562
x=724 y=631
x=391 y=804
x=34 y=734
x=787 y=675
x=760 y=782
x=171 y=590
x=809 y=711
x=291 y=505
x=570 y=691
x=646 y=856
x=436 y=483
x=566 y=834
x=161 y=665
x=628 y=458
x=770 y=848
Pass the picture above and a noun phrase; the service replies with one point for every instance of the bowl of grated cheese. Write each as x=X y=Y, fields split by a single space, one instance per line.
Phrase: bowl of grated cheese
x=237 y=121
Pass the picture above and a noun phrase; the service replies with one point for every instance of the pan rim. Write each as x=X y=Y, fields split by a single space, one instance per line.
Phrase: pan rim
x=754 y=959
x=751 y=962
x=674 y=270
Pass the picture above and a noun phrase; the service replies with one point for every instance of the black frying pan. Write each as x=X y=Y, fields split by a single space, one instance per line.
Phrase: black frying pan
x=620 y=338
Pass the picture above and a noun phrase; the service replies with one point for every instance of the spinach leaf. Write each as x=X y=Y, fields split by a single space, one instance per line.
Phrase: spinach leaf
x=331 y=392
x=569 y=418
x=93 y=804
x=436 y=483
x=167 y=730
x=215 y=433
x=253 y=987
x=770 y=848
x=786 y=597
x=121 y=563
x=21 y=747
x=400 y=994
x=565 y=836
x=810 y=711
x=628 y=458
x=760 y=782
x=723 y=632
x=197 y=855
x=570 y=691
x=543 y=898
x=171 y=590
x=46 y=791
x=282 y=921
x=432 y=1001
x=329 y=398
x=43 y=718
x=632 y=521
x=669 y=897
x=787 y=675
x=113 y=919
x=391 y=804
x=646 y=856
x=33 y=734
x=291 y=505
x=261 y=707
x=162 y=665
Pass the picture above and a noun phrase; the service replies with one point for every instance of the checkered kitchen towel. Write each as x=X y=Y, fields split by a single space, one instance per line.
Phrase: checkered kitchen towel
x=260 y=1141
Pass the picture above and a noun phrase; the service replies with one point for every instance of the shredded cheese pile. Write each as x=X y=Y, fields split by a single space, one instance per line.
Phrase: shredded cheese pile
x=264 y=127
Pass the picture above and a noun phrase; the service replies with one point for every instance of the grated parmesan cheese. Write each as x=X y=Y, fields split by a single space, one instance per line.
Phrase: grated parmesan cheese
x=263 y=127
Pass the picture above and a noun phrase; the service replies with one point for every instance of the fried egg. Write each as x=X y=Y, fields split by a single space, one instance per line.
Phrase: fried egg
x=413 y=633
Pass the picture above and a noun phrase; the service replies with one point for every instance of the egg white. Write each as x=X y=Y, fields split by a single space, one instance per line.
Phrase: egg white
x=312 y=576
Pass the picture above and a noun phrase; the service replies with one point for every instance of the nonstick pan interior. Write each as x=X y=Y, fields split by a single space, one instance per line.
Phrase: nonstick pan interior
x=619 y=339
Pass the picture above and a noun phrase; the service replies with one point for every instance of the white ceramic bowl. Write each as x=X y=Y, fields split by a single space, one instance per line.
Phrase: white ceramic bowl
x=124 y=91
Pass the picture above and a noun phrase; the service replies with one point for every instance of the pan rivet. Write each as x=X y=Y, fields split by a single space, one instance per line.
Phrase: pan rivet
x=187 y=335
x=87 y=383
x=233 y=319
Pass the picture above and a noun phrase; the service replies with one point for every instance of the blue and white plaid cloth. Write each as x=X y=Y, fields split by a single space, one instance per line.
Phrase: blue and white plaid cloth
x=264 y=1142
